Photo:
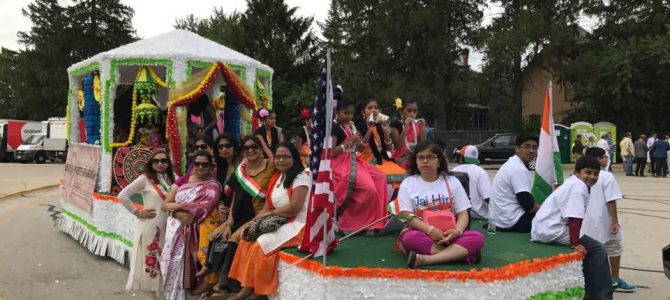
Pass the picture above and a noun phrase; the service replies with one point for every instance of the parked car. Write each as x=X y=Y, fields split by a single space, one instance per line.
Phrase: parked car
x=495 y=150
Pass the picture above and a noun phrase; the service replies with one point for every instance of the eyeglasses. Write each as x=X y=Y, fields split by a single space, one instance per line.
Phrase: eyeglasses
x=251 y=148
x=283 y=157
x=198 y=164
x=227 y=146
x=428 y=158
x=160 y=161
x=201 y=147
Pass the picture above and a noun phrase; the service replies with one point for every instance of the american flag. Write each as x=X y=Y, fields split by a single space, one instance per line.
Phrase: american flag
x=322 y=198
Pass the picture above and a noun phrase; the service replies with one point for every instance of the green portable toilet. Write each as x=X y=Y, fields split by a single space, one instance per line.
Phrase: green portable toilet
x=584 y=129
x=601 y=128
x=563 y=137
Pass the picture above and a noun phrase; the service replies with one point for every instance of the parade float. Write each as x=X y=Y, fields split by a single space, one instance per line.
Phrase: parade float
x=138 y=97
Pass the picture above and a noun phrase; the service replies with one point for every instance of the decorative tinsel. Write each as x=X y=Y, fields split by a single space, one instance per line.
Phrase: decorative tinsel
x=236 y=88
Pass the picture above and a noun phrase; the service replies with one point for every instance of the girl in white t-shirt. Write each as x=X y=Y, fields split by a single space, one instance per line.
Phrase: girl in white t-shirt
x=430 y=185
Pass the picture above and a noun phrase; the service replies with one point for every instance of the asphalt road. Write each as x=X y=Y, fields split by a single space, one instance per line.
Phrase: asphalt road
x=38 y=261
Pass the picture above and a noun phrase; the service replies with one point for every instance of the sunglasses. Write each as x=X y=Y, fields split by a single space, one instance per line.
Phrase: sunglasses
x=160 y=161
x=251 y=148
x=201 y=147
x=227 y=146
x=198 y=164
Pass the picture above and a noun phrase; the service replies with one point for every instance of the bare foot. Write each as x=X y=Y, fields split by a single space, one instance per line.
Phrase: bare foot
x=243 y=294
x=204 y=271
x=201 y=288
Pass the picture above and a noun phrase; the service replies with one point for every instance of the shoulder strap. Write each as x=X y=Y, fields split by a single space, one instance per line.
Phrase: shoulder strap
x=451 y=195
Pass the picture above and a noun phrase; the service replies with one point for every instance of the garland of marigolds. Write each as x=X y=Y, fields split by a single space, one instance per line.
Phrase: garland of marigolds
x=235 y=86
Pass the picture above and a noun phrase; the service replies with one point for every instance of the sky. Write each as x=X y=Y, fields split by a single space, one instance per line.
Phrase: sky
x=154 y=17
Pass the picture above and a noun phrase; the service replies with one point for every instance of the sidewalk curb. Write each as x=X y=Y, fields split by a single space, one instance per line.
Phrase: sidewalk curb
x=13 y=194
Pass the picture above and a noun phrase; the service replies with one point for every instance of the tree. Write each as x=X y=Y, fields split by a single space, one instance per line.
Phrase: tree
x=8 y=100
x=58 y=37
x=523 y=30
x=219 y=27
x=270 y=32
x=623 y=75
x=388 y=49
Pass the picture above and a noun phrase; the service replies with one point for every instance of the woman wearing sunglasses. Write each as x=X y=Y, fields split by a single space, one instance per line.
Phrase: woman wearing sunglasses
x=149 y=236
x=187 y=205
x=226 y=153
x=245 y=195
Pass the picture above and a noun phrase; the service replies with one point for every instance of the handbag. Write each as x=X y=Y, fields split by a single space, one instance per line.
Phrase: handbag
x=216 y=253
x=440 y=216
x=262 y=226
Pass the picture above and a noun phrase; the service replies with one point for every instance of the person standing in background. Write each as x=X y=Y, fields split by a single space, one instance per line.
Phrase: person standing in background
x=650 y=157
x=578 y=147
x=627 y=153
x=641 y=151
x=660 y=155
x=605 y=145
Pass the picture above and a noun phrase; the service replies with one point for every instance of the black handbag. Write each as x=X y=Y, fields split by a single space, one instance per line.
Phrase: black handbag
x=216 y=253
x=262 y=226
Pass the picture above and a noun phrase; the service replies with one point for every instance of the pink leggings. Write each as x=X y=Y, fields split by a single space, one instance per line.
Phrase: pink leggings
x=421 y=243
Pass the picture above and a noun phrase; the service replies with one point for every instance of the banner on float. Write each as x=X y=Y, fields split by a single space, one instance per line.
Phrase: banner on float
x=81 y=174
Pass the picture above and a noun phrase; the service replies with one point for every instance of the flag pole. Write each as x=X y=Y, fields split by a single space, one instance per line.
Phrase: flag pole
x=343 y=238
x=327 y=141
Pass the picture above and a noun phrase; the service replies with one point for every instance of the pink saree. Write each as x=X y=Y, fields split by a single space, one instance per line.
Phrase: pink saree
x=360 y=190
x=179 y=260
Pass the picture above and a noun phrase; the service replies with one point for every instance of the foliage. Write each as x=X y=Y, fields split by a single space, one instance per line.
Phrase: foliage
x=58 y=37
x=386 y=49
x=516 y=37
x=272 y=33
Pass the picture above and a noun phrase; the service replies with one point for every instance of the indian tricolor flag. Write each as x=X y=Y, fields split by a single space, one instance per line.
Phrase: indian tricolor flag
x=394 y=208
x=548 y=169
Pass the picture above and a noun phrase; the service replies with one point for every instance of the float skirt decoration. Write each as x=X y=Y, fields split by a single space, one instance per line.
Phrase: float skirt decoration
x=557 y=277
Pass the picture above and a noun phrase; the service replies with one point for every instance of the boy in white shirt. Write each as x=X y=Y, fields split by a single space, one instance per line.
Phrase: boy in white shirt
x=602 y=221
x=480 y=188
x=559 y=220
x=511 y=202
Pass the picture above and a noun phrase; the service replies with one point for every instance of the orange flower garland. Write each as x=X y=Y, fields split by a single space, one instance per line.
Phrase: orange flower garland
x=507 y=272
x=236 y=88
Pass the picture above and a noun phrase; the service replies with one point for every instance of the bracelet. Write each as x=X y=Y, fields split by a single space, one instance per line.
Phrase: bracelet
x=137 y=213
x=430 y=229
x=170 y=213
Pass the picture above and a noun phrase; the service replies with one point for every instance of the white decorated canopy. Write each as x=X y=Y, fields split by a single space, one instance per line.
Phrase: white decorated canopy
x=174 y=56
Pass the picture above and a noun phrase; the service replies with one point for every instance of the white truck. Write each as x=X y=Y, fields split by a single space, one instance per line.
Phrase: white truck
x=50 y=144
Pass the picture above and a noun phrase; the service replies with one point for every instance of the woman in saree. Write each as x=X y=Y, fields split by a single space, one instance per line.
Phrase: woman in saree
x=149 y=236
x=226 y=156
x=244 y=194
x=406 y=132
x=360 y=188
x=187 y=206
x=288 y=194
x=303 y=136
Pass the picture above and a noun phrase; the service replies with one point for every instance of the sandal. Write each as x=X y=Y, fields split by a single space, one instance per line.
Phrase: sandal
x=413 y=260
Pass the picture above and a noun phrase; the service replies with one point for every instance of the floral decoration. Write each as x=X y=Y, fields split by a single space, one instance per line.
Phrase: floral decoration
x=153 y=267
x=507 y=272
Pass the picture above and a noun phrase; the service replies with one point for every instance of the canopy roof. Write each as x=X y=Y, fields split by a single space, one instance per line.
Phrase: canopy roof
x=177 y=44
